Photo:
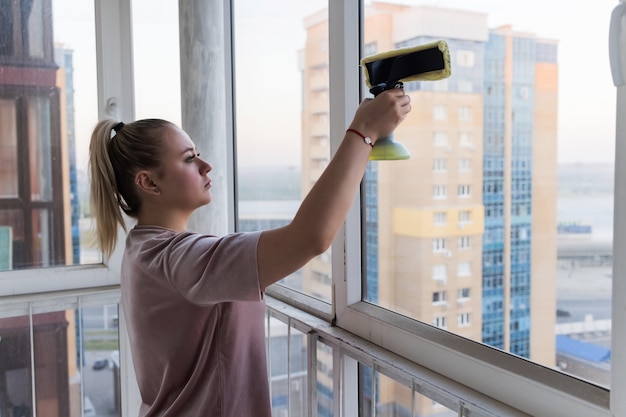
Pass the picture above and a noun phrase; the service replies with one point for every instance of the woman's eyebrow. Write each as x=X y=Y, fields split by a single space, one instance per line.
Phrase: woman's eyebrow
x=190 y=149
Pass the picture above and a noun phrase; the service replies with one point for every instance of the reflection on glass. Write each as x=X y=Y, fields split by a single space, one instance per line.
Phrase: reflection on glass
x=287 y=353
x=39 y=146
x=46 y=93
x=381 y=396
x=489 y=231
x=324 y=380
x=8 y=149
x=100 y=360
x=15 y=366
x=282 y=118
x=75 y=353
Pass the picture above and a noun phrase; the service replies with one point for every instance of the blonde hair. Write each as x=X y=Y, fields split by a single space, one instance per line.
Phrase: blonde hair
x=116 y=152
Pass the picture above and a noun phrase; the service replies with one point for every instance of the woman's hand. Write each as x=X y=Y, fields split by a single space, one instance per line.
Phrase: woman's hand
x=378 y=117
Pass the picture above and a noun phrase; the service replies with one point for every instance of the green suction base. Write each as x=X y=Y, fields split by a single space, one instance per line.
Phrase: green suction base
x=386 y=149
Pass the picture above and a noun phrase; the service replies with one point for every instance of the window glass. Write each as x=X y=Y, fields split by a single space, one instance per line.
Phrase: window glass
x=156 y=60
x=282 y=118
x=287 y=362
x=324 y=375
x=8 y=149
x=65 y=359
x=40 y=144
x=47 y=110
x=34 y=15
x=24 y=28
x=381 y=395
x=529 y=210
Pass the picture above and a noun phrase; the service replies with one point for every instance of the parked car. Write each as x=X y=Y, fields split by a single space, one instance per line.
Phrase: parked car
x=100 y=363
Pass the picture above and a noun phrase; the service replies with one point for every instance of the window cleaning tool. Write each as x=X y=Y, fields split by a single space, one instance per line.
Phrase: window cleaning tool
x=391 y=69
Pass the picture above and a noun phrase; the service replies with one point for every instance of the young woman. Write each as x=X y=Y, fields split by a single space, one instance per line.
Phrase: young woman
x=194 y=302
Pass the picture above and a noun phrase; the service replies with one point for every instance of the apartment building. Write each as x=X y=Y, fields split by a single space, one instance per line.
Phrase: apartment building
x=448 y=232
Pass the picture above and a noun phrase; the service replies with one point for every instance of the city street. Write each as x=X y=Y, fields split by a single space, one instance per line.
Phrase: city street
x=99 y=384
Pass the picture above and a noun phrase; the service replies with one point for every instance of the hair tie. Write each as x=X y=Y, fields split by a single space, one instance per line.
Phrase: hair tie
x=116 y=129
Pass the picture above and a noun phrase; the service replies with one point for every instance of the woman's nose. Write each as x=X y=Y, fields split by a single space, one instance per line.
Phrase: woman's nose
x=205 y=166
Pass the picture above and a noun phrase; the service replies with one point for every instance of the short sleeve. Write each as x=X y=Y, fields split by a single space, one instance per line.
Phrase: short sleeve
x=207 y=269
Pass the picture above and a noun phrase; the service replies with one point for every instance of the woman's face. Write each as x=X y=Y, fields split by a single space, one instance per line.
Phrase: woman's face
x=183 y=178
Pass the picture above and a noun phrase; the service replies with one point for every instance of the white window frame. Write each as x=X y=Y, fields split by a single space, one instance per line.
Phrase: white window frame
x=465 y=58
x=464 y=269
x=465 y=139
x=464 y=191
x=464 y=319
x=440 y=112
x=464 y=242
x=465 y=113
x=461 y=296
x=440 y=322
x=440 y=218
x=441 y=297
x=503 y=376
x=440 y=165
x=440 y=244
x=465 y=164
x=440 y=139
x=440 y=192
x=440 y=272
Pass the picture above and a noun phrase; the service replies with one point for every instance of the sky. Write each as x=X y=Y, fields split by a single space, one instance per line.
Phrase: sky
x=587 y=96
x=269 y=103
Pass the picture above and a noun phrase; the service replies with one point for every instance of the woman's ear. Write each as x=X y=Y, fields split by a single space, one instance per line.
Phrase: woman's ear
x=143 y=181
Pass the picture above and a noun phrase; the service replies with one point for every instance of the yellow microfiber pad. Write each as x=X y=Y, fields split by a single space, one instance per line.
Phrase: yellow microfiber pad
x=428 y=62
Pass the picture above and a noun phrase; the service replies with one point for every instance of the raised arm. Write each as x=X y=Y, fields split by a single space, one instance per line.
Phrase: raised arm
x=284 y=250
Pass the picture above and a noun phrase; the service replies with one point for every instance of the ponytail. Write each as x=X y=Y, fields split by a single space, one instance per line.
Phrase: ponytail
x=116 y=153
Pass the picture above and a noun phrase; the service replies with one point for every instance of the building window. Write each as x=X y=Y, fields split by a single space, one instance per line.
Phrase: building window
x=439 y=192
x=465 y=165
x=463 y=242
x=439 y=245
x=439 y=218
x=465 y=216
x=465 y=58
x=439 y=297
x=440 y=112
x=463 y=294
x=440 y=272
x=465 y=140
x=440 y=139
x=440 y=165
x=24 y=29
x=464 y=269
x=440 y=322
x=465 y=113
x=463 y=190
x=32 y=213
x=463 y=320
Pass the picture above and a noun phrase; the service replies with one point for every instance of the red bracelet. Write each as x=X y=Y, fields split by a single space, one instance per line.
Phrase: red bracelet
x=366 y=139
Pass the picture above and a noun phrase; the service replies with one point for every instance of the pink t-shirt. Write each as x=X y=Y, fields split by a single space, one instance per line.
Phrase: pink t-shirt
x=195 y=315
